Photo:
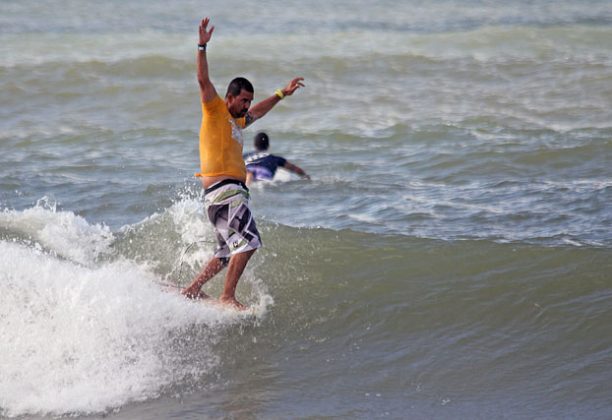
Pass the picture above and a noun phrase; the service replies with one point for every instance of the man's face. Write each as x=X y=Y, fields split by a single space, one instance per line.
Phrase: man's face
x=239 y=105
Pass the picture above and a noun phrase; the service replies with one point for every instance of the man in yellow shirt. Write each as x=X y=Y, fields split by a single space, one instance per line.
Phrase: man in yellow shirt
x=223 y=172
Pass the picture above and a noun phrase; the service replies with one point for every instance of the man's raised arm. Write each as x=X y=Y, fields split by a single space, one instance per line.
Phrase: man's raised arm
x=261 y=108
x=207 y=90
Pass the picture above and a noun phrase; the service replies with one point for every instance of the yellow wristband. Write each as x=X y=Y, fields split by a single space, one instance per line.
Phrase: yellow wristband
x=279 y=93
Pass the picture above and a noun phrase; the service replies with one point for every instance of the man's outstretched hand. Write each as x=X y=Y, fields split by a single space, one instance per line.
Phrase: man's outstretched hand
x=205 y=34
x=293 y=85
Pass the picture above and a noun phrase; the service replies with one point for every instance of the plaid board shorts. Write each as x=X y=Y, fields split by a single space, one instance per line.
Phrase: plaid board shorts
x=227 y=206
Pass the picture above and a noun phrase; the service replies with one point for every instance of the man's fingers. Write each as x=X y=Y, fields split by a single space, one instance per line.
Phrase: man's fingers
x=205 y=34
x=297 y=82
x=294 y=85
x=204 y=26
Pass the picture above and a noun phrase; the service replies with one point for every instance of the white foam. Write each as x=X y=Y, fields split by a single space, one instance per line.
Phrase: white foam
x=189 y=218
x=65 y=233
x=281 y=176
x=79 y=335
x=79 y=339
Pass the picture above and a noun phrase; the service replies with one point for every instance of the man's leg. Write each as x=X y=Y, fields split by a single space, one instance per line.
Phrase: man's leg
x=213 y=266
x=234 y=270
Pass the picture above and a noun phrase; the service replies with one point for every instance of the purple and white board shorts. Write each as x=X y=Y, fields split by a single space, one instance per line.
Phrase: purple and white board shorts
x=227 y=206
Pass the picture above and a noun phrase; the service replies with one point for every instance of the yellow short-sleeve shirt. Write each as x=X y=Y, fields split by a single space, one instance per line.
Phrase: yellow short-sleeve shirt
x=221 y=141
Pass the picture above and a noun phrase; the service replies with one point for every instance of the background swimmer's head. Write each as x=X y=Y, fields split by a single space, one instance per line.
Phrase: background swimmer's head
x=261 y=141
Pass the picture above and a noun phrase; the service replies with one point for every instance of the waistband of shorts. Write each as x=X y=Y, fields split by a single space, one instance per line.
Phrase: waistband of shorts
x=223 y=183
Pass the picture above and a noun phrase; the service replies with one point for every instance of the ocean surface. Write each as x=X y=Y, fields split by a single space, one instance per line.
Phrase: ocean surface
x=450 y=258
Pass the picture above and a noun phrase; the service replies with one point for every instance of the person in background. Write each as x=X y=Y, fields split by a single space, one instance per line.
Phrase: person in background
x=261 y=165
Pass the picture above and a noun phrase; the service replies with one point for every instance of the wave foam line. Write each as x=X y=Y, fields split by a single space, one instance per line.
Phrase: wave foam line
x=87 y=339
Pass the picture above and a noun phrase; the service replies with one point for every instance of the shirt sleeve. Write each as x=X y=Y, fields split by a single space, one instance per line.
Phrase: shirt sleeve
x=214 y=106
x=280 y=161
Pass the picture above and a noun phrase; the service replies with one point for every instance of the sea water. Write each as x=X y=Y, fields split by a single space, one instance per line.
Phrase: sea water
x=450 y=258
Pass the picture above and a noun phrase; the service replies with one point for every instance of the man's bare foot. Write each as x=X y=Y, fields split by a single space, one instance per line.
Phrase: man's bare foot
x=191 y=295
x=231 y=301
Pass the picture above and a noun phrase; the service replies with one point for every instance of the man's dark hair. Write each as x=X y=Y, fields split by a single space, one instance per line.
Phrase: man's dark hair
x=236 y=86
x=262 y=141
